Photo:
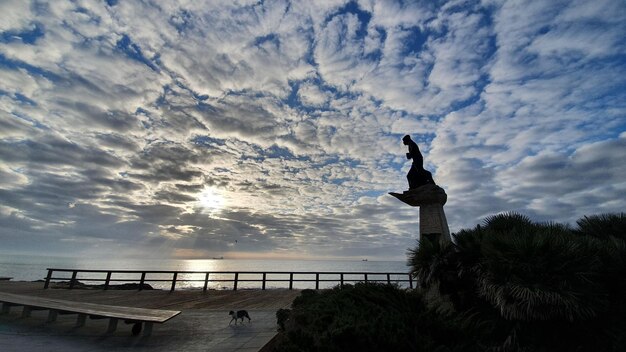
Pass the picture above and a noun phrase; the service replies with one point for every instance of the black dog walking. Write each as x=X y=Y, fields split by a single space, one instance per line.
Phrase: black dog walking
x=240 y=314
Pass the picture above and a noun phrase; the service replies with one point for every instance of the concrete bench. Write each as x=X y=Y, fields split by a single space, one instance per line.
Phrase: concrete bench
x=130 y=315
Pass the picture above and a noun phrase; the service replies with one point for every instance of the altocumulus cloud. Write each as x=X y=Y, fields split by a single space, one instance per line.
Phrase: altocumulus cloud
x=273 y=129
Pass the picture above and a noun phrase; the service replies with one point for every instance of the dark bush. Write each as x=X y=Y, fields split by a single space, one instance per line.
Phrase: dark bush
x=507 y=285
x=369 y=317
x=282 y=315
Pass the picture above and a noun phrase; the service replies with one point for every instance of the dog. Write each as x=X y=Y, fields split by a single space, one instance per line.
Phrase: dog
x=240 y=314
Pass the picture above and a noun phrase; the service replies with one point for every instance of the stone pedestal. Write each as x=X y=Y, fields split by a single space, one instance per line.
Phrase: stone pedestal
x=430 y=199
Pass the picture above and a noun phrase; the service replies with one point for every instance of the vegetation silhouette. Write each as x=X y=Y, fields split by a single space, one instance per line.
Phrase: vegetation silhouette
x=536 y=286
x=509 y=284
x=367 y=317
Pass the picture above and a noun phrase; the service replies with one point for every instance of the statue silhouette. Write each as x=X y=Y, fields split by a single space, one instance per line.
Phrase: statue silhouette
x=417 y=176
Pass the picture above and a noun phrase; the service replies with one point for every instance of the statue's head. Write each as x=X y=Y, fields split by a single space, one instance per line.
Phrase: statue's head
x=406 y=139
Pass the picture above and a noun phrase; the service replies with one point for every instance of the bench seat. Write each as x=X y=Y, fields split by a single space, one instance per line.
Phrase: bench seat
x=93 y=310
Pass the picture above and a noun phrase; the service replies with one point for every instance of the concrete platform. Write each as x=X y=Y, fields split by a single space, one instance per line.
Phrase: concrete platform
x=202 y=325
x=192 y=330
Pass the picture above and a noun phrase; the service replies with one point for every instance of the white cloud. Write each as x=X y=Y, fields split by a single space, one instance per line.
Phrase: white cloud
x=311 y=94
x=293 y=112
x=17 y=15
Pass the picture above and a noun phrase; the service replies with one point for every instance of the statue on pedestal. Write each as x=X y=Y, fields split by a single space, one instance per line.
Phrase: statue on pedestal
x=422 y=187
x=417 y=175
x=425 y=194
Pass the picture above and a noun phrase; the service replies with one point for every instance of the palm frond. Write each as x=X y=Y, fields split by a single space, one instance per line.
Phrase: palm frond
x=603 y=226
x=507 y=221
x=544 y=274
x=428 y=261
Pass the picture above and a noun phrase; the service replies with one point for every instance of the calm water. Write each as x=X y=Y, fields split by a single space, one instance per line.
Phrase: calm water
x=25 y=268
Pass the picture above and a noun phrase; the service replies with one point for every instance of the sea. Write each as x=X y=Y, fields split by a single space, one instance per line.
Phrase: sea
x=33 y=268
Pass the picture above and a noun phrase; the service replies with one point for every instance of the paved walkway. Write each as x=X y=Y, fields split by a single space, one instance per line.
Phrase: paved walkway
x=202 y=325
x=192 y=330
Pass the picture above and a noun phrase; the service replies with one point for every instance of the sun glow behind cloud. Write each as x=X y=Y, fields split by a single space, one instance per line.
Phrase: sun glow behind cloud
x=188 y=126
x=211 y=200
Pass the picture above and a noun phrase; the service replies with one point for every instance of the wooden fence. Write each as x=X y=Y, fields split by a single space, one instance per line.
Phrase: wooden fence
x=234 y=277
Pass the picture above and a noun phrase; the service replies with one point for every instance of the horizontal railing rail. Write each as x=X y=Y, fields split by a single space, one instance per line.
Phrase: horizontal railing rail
x=234 y=277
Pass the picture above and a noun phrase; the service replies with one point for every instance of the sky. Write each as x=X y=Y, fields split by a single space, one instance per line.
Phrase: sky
x=272 y=129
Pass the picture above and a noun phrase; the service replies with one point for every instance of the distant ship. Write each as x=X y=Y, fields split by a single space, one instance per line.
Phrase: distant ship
x=218 y=258
x=363 y=260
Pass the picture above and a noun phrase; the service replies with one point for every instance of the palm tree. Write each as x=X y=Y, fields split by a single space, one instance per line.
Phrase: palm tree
x=538 y=272
x=518 y=276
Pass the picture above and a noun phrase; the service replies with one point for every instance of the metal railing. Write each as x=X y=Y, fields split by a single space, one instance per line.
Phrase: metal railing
x=234 y=277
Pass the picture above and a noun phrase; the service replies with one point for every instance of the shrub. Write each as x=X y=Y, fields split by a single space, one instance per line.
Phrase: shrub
x=507 y=285
x=369 y=317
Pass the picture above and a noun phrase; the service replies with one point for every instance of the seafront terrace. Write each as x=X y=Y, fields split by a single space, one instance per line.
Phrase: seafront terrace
x=202 y=325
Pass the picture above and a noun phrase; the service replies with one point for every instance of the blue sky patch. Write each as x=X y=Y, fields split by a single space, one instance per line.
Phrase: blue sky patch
x=26 y=36
x=133 y=51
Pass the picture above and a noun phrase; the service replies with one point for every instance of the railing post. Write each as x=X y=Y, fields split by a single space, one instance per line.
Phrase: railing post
x=73 y=279
x=317 y=281
x=143 y=278
x=206 y=282
x=174 y=282
x=410 y=281
x=365 y=277
x=388 y=279
x=291 y=281
x=341 y=280
x=235 y=281
x=107 y=281
x=263 y=287
x=45 y=286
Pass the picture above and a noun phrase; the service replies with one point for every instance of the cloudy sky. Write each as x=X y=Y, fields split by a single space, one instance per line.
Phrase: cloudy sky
x=194 y=129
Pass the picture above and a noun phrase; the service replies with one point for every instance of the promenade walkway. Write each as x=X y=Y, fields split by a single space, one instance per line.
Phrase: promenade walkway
x=202 y=325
